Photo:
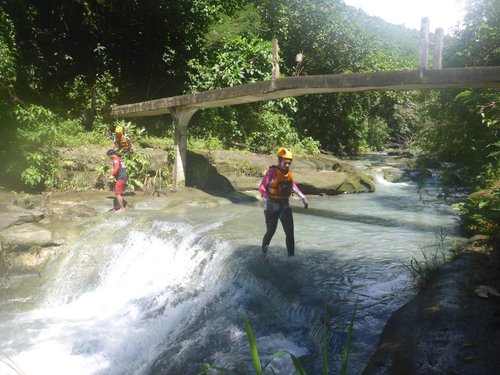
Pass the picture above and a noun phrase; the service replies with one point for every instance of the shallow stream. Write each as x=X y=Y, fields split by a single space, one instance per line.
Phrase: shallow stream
x=157 y=293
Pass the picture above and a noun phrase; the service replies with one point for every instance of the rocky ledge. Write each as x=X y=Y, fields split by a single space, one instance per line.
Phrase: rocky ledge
x=453 y=326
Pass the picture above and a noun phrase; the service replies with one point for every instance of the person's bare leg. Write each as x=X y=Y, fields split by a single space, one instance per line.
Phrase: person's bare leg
x=119 y=200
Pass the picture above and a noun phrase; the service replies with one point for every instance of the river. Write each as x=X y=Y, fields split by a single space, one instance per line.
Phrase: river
x=164 y=293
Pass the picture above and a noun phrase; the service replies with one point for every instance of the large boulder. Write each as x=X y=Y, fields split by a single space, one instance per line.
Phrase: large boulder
x=31 y=260
x=357 y=183
x=16 y=216
x=323 y=174
x=320 y=182
x=334 y=183
x=26 y=235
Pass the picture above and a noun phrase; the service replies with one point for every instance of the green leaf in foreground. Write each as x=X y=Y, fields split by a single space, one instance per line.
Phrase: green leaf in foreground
x=253 y=347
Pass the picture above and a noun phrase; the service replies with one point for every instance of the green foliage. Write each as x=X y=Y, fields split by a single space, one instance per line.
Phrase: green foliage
x=98 y=95
x=199 y=45
x=480 y=213
x=462 y=128
x=331 y=42
x=337 y=121
x=256 y=127
x=346 y=350
x=206 y=143
x=137 y=164
x=260 y=369
x=237 y=61
x=476 y=42
x=164 y=143
x=58 y=42
x=8 y=75
x=461 y=132
x=396 y=40
x=8 y=51
x=271 y=131
x=153 y=184
x=375 y=134
x=87 y=55
x=246 y=22
x=433 y=258
x=36 y=146
x=408 y=119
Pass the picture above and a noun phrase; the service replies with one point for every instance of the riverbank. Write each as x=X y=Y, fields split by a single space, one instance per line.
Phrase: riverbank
x=447 y=328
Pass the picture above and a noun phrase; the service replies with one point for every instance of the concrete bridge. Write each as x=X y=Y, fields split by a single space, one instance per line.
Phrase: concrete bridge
x=183 y=107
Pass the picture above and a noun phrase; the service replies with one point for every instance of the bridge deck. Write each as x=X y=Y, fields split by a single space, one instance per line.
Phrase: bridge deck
x=477 y=77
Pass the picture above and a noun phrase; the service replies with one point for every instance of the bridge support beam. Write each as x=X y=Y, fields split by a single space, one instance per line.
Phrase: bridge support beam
x=181 y=120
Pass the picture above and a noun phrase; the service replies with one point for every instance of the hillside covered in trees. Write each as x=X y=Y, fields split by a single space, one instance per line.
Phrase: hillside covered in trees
x=63 y=64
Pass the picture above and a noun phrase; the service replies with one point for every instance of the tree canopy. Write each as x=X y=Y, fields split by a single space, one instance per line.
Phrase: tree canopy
x=76 y=58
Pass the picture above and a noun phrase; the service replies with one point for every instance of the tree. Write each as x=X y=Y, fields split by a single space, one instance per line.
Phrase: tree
x=475 y=43
x=467 y=123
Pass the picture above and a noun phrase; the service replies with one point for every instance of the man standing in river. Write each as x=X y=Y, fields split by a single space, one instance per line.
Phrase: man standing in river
x=120 y=174
x=276 y=188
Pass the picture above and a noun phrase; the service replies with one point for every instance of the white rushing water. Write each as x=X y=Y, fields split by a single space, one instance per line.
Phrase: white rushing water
x=150 y=293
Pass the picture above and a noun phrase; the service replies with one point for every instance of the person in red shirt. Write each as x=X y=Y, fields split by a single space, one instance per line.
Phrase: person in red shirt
x=120 y=175
x=276 y=188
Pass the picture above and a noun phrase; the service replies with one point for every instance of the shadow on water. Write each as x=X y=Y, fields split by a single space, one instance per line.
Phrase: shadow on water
x=115 y=201
x=364 y=219
x=342 y=216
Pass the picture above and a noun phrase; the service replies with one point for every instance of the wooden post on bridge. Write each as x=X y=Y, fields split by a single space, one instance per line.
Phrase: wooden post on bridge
x=424 y=44
x=181 y=119
x=276 y=67
x=438 y=49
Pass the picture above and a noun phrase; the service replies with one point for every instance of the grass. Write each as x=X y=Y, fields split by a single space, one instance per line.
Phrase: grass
x=262 y=369
x=433 y=258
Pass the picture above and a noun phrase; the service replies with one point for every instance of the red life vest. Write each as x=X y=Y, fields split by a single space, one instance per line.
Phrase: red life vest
x=280 y=187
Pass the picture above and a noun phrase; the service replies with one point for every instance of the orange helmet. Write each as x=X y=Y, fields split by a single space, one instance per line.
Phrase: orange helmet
x=284 y=153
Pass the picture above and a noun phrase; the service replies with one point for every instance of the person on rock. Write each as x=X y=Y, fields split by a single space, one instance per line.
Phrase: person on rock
x=276 y=188
x=120 y=175
x=121 y=140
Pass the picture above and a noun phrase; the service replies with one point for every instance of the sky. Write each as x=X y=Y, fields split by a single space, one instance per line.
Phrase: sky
x=441 y=13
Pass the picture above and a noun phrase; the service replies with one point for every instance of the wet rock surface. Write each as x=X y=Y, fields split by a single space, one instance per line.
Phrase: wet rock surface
x=228 y=171
x=448 y=328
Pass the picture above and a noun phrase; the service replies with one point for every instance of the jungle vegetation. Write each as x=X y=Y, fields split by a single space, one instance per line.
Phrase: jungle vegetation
x=63 y=63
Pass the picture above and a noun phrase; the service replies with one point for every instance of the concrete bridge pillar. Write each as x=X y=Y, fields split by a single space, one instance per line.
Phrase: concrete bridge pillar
x=181 y=120
x=424 y=44
x=437 y=61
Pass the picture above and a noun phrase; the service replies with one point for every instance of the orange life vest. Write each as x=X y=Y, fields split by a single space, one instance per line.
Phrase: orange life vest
x=122 y=142
x=280 y=187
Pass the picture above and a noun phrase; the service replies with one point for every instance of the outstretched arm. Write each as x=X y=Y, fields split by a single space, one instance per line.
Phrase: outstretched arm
x=297 y=191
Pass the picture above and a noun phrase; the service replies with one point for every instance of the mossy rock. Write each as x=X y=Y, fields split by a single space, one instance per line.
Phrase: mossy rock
x=491 y=194
x=358 y=183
